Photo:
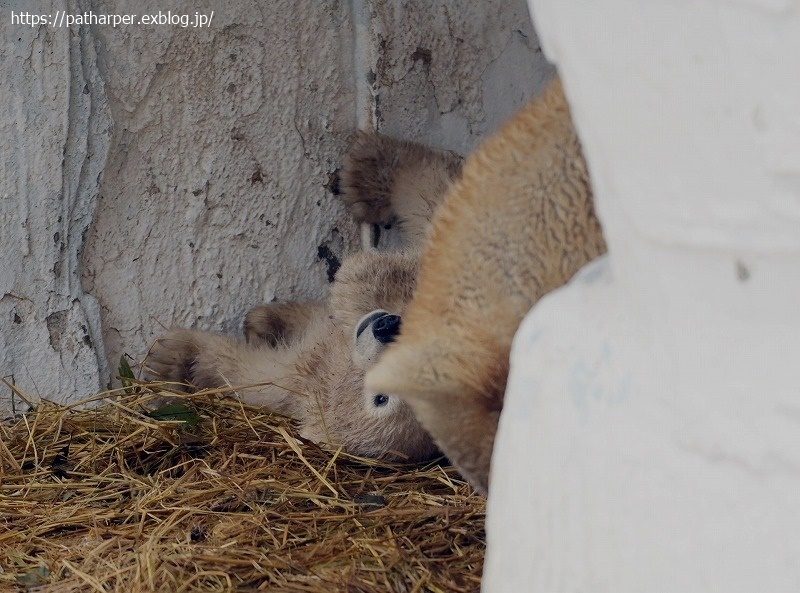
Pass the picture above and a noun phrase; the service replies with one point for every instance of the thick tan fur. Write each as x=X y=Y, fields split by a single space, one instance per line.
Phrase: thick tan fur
x=303 y=359
x=518 y=224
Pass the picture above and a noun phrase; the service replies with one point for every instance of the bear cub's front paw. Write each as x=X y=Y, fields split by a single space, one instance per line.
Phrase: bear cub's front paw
x=368 y=175
x=373 y=166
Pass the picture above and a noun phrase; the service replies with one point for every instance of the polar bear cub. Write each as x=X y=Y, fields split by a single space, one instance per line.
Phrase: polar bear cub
x=307 y=360
x=519 y=223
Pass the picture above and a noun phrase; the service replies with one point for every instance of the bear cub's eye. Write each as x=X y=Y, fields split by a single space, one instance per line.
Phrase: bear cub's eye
x=380 y=400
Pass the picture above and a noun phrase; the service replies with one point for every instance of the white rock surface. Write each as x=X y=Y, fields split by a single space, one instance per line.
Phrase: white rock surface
x=158 y=175
x=649 y=440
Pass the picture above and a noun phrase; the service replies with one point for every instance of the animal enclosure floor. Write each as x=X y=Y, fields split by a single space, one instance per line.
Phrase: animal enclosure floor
x=211 y=495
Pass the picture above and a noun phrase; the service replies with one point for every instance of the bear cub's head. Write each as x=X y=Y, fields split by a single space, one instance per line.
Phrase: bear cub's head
x=368 y=297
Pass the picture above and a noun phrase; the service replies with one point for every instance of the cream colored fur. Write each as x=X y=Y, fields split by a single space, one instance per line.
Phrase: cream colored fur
x=519 y=223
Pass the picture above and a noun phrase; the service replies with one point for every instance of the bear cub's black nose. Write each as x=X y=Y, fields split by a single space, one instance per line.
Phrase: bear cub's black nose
x=385 y=328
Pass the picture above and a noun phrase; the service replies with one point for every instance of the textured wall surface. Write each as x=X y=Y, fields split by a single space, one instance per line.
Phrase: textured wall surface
x=217 y=194
x=157 y=175
x=457 y=71
x=55 y=133
x=649 y=436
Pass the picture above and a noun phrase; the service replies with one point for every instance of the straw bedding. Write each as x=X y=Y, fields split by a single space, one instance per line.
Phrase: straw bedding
x=212 y=495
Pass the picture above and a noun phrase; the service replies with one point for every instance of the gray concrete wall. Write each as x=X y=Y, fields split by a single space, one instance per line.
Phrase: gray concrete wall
x=155 y=175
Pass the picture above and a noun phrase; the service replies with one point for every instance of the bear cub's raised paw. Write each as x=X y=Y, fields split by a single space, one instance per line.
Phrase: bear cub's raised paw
x=390 y=182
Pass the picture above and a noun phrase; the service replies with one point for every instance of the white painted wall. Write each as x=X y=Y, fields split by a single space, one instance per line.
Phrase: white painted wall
x=54 y=140
x=650 y=437
x=156 y=175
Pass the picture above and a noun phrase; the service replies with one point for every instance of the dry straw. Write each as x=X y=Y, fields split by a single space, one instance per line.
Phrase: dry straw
x=212 y=495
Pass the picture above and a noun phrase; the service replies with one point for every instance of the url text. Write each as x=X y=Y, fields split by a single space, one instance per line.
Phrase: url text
x=64 y=19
